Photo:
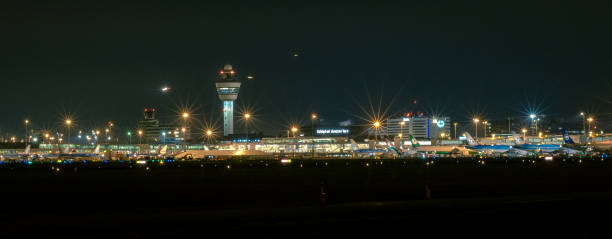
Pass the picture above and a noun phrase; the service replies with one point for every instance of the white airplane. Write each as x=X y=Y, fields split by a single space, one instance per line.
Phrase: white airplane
x=26 y=154
x=495 y=149
x=366 y=152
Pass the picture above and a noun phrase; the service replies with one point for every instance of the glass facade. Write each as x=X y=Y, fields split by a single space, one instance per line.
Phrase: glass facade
x=228 y=90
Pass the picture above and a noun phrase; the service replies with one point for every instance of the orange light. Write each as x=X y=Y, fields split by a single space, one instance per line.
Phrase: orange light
x=377 y=124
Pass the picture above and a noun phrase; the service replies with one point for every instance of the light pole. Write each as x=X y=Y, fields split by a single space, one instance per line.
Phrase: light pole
x=27 y=140
x=184 y=132
x=139 y=136
x=509 y=124
x=313 y=117
x=583 y=122
x=294 y=130
x=476 y=120
x=524 y=134
x=590 y=119
x=209 y=134
x=129 y=133
x=533 y=118
x=376 y=126
x=247 y=116
x=485 y=128
x=68 y=123
x=110 y=129
x=185 y=117
x=164 y=137
x=455 y=124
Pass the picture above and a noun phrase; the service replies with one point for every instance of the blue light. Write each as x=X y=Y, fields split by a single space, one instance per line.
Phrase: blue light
x=440 y=123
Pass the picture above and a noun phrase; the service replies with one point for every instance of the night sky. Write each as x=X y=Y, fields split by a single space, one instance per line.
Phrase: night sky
x=104 y=60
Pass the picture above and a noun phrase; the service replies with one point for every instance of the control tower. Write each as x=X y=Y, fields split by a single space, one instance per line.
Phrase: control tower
x=228 y=86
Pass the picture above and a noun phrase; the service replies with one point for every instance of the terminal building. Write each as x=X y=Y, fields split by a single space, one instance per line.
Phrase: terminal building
x=420 y=127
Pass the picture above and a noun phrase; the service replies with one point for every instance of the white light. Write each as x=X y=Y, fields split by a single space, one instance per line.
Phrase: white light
x=548 y=158
x=141 y=162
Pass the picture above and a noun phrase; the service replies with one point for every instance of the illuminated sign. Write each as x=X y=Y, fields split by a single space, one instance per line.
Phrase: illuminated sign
x=332 y=131
x=440 y=123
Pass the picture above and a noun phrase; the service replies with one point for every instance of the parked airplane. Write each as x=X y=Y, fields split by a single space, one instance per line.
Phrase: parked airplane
x=483 y=148
x=95 y=153
x=569 y=148
x=495 y=149
x=536 y=148
x=24 y=155
x=366 y=152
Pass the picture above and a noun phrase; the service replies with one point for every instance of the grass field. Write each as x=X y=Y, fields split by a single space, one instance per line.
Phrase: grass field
x=242 y=193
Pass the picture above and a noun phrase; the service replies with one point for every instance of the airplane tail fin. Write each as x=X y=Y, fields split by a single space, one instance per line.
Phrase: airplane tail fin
x=164 y=149
x=353 y=144
x=28 y=149
x=97 y=150
x=415 y=143
x=517 y=138
x=396 y=149
x=388 y=143
x=566 y=138
x=470 y=140
x=66 y=149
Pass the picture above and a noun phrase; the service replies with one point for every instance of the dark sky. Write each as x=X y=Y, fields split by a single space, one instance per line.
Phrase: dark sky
x=107 y=60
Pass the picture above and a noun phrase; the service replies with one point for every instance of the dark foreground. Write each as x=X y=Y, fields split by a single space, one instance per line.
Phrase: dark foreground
x=179 y=198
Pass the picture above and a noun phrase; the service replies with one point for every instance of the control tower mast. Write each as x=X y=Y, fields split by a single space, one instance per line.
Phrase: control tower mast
x=228 y=86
